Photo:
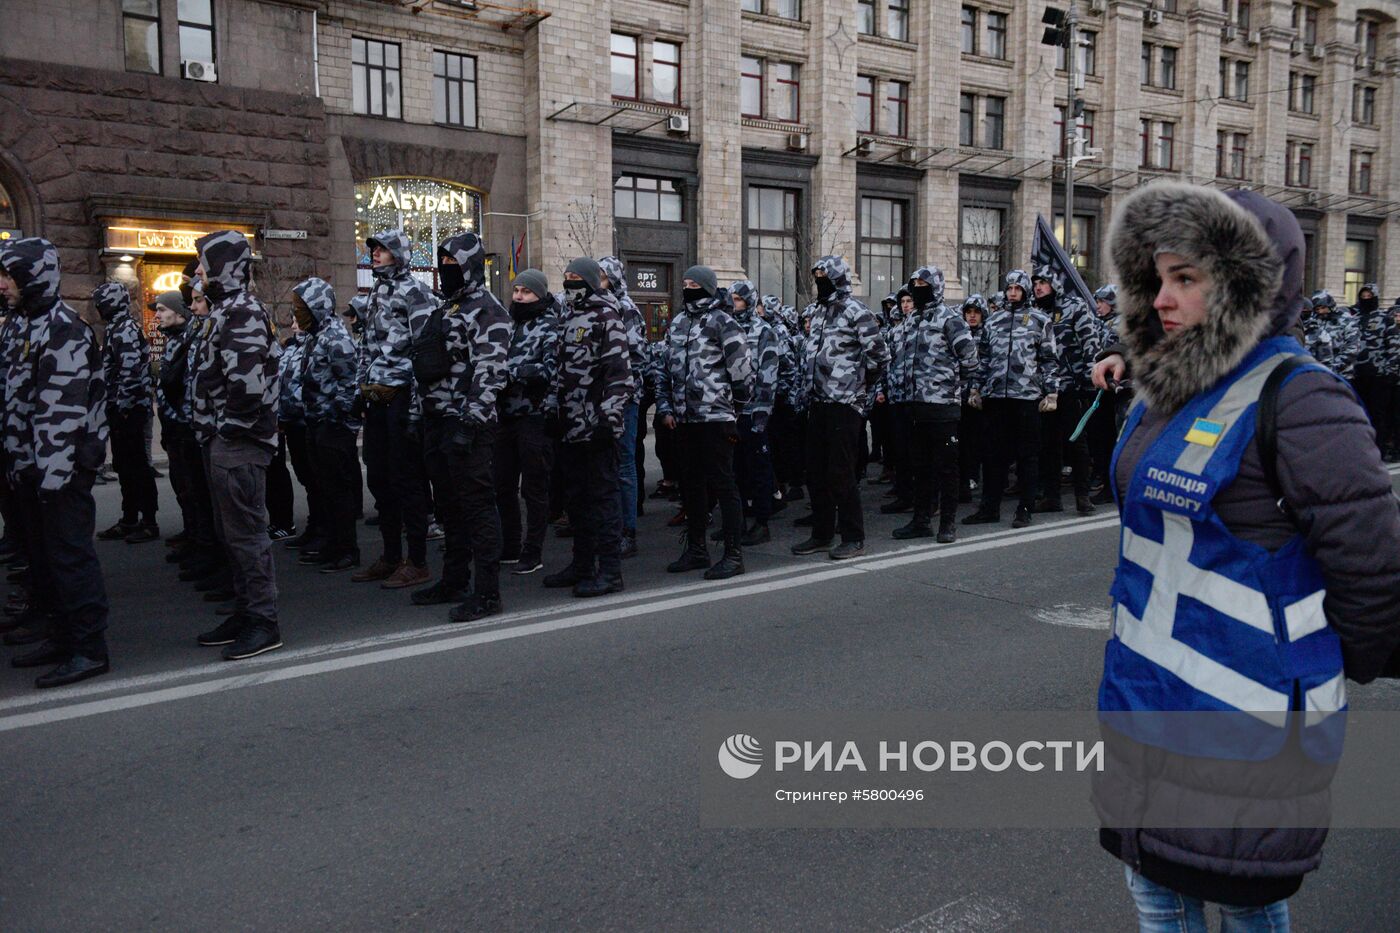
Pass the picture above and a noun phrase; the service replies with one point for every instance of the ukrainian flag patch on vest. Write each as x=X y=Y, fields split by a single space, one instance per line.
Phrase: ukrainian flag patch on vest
x=1205 y=432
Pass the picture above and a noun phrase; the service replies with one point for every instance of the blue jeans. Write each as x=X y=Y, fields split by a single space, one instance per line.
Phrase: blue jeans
x=1162 y=910
x=627 y=467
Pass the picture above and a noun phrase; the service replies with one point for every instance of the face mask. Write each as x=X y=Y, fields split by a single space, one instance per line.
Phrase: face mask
x=1368 y=304
x=923 y=294
x=694 y=294
x=1046 y=302
x=525 y=310
x=825 y=289
x=451 y=278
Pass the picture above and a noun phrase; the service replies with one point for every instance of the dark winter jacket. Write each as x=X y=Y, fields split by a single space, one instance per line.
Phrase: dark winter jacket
x=291 y=367
x=1078 y=338
x=170 y=388
x=126 y=354
x=531 y=358
x=764 y=353
x=55 y=396
x=708 y=371
x=396 y=297
x=1329 y=470
x=1016 y=355
x=845 y=356
x=328 y=371
x=591 y=374
x=477 y=332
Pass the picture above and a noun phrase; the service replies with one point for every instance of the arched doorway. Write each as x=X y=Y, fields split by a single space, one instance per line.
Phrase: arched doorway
x=9 y=216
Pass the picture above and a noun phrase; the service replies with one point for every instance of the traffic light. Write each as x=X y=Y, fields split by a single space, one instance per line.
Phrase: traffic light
x=1057 y=31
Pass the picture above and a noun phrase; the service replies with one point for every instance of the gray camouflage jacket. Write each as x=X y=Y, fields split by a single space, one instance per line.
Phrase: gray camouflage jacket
x=126 y=354
x=531 y=361
x=55 y=396
x=236 y=382
x=708 y=368
x=328 y=387
x=940 y=355
x=291 y=365
x=477 y=329
x=177 y=347
x=634 y=322
x=845 y=357
x=1078 y=338
x=765 y=353
x=591 y=375
x=1336 y=333
x=1017 y=357
x=396 y=297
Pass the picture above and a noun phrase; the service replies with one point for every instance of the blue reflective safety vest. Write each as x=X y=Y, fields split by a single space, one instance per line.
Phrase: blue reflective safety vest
x=1204 y=621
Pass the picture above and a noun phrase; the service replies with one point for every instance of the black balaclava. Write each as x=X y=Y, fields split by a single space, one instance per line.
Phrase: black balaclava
x=922 y=293
x=703 y=276
x=1367 y=305
x=825 y=287
x=1044 y=302
x=450 y=277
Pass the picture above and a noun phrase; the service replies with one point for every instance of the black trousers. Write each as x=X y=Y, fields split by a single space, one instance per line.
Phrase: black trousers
x=881 y=425
x=898 y=454
x=133 y=467
x=1102 y=434
x=786 y=430
x=1012 y=430
x=753 y=468
x=203 y=534
x=524 y=460
x=591 y=481
x=1055 y=428
x=640 y=452
x=65 y=574
x=1377 y=392
x=666 y=451
x=280 y=496
x=394 y=464
x=299 y=456
x=466 y=502
x=933 y=458
x=172 y=441
x=834 y=437
x=971 y=445
x=337 y=469
x=707 y=469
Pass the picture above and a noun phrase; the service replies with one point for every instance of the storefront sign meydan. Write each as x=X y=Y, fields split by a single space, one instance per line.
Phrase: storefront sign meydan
x=448 y=200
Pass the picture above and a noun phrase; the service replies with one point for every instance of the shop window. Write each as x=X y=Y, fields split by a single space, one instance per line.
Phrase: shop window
x=375 y=74
x=640 y=197
x=428 y=211
x=196 y=22
x=980 y=249
x=881 y=247
x=771 y=245
x=141 y=31
x=9 y=220
x=454 y=89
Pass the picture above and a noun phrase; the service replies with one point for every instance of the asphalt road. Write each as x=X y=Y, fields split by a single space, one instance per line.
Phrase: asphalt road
x=539 y=771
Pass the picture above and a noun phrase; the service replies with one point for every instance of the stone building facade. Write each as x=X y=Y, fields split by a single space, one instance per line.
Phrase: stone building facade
x=751 y=135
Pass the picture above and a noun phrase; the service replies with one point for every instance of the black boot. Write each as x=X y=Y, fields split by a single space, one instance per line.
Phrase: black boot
x=600 y=585
x=947 y=531
x=918 y=527
x=695 y=556
x=1084 y=506
x=729 y=565
x=758 y=533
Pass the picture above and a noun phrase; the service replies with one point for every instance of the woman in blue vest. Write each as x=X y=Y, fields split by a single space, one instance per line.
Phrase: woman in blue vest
x=1225 y=600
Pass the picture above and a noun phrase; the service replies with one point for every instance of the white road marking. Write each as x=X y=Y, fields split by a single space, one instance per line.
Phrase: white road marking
x=973 y=913
x=152 y=689
x=1068 y=616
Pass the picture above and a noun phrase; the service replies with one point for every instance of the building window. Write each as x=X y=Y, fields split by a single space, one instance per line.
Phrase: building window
x=196 y=21
x=1309 y=263
x=996 y=35
x=639 y=197
x=1234 y=79
x=865 y=104
x=880 y=254
x=1361 y=171
x=1363 y=104
x=787 y=9
x=1368 y=34
x=1241 y=80
x=1305 y=22
x=1083 y=242
x=1145 y=67
x=141 y=29
x=751 y=86
x=994 y=132
x=897 y=19
x=454 y=89
x=1158 y=144
x=624 y=67
x=865 y=17
x=967 y=120
x=895 y=120
x=752 y=6
x=1359 y=270
x=1300 y=164
x=969 y=30
x=772 y=241
x=787 y=92
x=1242 y=15
x=1166 y=67
x=980 y=250
x=1301 y=92
x=374 y=67
x=1230 y=150
x=666 y=72
x=1088 y=53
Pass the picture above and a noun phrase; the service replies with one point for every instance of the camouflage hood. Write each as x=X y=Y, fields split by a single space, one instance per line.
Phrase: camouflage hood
x=617 y=275
x=1018 y=277
x=745 y=290
x=837 y=270
x=773 y=308
x=398 y=245
x=1108 y=293
x=978 y=302
x=933 y=277
x=33 y=263
x=470 y=254
x=319 y=297
x=1324 y=299
x=1052 y=275
x=111 y=299
x=227 y=259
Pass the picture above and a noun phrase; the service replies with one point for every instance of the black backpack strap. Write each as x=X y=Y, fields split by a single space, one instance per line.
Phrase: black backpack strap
x=1266 y=427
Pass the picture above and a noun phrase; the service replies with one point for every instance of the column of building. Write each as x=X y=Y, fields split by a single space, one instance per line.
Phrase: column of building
x=1031 y=126
x=1388 y=168
x=715 y=30
x=937 y=86
x=832 y=52
x=1331 y=156
x=1116 y=127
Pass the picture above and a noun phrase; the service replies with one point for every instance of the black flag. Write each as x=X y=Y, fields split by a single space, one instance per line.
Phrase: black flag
x=1046 y=251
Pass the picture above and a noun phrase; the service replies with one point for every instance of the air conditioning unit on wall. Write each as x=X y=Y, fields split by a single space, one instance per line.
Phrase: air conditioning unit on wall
x=1152 y=18
x=1316 y=52
x=678 y=124
x=1098 y=6
x=797 y=142
x=1228 y=33
x=198 y=71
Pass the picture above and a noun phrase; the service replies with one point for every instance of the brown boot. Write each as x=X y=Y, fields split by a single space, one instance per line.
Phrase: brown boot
x=379 y=570
x=407 y=574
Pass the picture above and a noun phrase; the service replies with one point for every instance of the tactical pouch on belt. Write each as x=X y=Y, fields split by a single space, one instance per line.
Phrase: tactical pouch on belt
x=431 y=360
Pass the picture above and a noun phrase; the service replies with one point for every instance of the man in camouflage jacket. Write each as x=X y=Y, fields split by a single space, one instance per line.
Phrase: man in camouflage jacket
x=1368 y=317
x=393 y=443
x=1334 y=337
x=637 y=360
x=586 y=410
x=1018 y=375
x=1103 y=426
x=460 y=415
x=753 y=460
x=172 y=318
x=235 y=414
x=844 y=361
x=126 y=365
x=1387 y=416
x=208 y=558
x=707 y=378
x=1077 y=342
x=524 y=451
x=787 y=426
x=55 y=437
x=293 y=444
x=938 y=357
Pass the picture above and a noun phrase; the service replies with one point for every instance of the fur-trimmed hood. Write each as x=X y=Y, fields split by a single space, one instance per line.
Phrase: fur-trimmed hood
x=1251 y=249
